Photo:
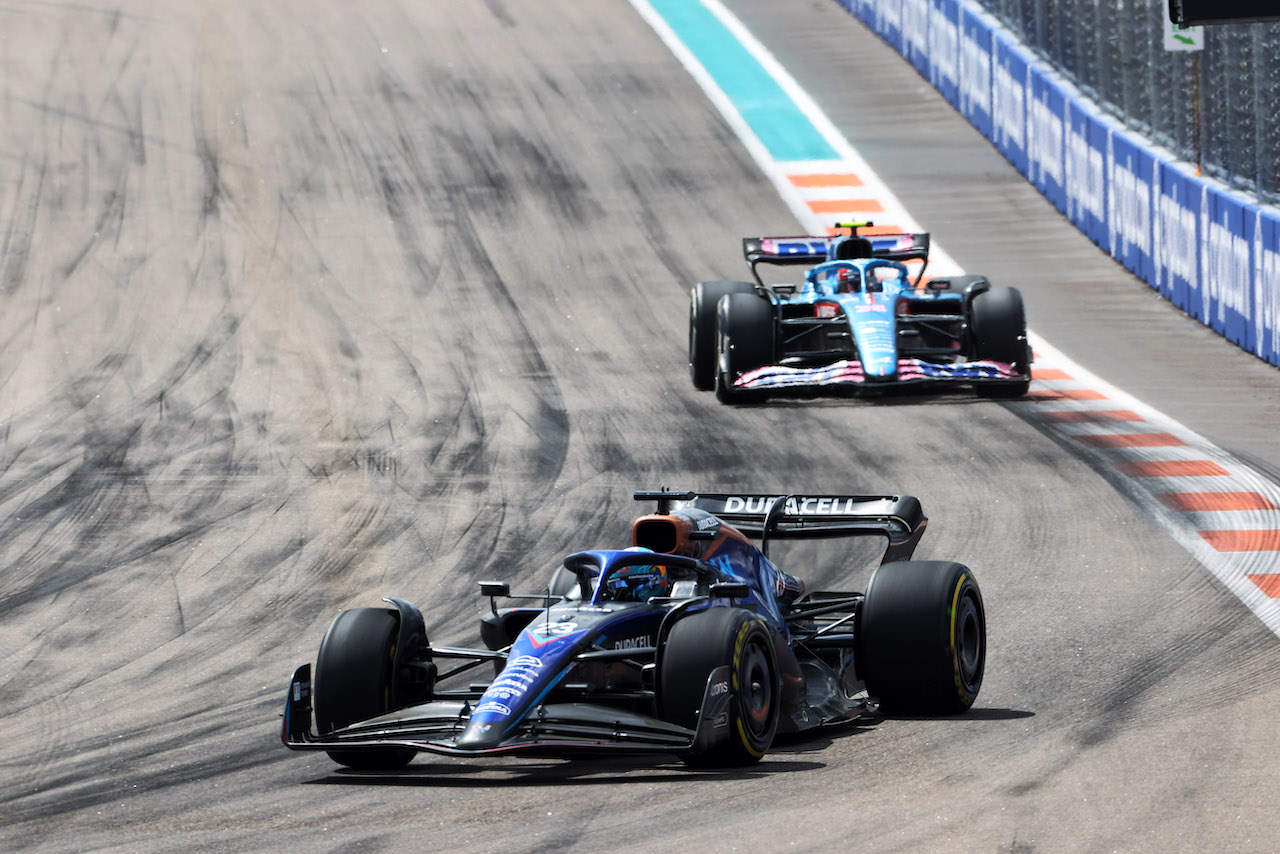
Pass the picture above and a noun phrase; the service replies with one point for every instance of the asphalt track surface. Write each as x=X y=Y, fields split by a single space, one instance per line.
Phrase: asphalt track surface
x=304 y=305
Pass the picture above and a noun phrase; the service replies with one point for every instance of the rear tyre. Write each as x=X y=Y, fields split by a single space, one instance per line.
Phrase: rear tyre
x=744 y=342
x=922 y=637
x=998 y=324
x=696 y=646
x=353 y=682
x=704 y=298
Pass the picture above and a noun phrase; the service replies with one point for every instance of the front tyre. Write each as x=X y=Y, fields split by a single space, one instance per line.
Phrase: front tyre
x=696 y=646
x=998 y=324
x=703 y=300
x=353 y=682
x=922 y=637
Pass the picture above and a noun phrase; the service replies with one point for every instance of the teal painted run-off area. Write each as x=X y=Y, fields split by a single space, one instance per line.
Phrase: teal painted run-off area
x=787 y=134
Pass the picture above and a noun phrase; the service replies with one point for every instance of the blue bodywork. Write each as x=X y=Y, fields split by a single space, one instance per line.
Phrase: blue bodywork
x=689 y=642
x=542 y=655
x=860 y=317
x=868 y=292
x=572 y=676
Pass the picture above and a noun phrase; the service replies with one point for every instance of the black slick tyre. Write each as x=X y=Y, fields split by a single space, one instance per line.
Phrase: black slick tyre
x=704 y=298
x=353 y=682
x=998 y=327
x=922 y=637
x=696 y=646
x=744 y=342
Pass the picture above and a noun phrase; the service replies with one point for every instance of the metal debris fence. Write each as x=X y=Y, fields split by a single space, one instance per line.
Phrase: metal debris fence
x=1218 y=108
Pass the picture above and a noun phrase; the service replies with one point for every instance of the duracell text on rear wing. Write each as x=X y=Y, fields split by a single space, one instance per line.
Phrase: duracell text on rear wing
x=900 y=518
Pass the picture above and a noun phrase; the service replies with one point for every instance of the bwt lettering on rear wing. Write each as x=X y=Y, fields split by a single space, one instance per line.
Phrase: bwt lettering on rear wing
x=900 y=518
x=812 y=249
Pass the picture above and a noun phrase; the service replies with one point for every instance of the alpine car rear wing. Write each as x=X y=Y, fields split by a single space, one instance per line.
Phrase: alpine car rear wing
x=900 y=518
x=812 y=249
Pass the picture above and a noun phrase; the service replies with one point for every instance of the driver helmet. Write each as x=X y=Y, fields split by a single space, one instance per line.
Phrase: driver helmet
x=638 y=582
x=846 y=280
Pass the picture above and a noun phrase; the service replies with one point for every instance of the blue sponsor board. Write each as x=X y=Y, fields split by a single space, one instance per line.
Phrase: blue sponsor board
x=1265 y=235
x=975 y=70
x=1130 y=174
x=886 y=19
x=915 y=33
x=1175 y=235
x=1046 y=136
x=944 y=48
x=1009 y=100
x=1085 y=172
x=1225 y=292
x=1209 y=252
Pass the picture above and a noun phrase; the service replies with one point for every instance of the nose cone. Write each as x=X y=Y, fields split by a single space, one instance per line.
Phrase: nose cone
x=879 y=352
x=537 y=662
x=480 y=735
x=875 y=333
x=880 y=366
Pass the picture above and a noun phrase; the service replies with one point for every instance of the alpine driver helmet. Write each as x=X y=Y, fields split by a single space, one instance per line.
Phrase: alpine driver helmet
x=638 y=582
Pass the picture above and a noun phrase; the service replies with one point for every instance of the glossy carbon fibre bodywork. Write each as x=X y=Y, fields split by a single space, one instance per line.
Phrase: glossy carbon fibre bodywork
x=578 y=674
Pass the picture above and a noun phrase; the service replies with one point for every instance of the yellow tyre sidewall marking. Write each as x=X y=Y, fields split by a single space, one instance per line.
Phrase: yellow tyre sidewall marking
x=738 y=643
x=951 y=639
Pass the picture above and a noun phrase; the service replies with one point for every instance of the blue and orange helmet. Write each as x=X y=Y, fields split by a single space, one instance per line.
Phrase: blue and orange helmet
x=638 y=582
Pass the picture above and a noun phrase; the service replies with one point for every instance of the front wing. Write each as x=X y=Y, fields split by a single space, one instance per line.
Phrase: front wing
x=550 y=729
x=847 y=371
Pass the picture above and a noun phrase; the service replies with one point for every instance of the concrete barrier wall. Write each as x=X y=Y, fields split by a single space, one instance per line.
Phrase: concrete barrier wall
x=1210 y=251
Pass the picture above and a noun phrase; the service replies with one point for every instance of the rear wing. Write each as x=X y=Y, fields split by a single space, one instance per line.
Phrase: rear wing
x=900 y=518
x=812 y=249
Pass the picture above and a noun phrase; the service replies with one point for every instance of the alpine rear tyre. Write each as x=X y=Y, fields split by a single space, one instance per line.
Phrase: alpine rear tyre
x=744 y=342
x=704 y=298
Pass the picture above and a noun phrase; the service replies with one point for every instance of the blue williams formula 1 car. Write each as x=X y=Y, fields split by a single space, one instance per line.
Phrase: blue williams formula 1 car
x=689 y=642
x=859 y=321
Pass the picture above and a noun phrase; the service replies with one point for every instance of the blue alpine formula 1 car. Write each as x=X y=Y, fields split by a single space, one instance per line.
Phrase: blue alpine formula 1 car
x=690 y=641
x=859 y=320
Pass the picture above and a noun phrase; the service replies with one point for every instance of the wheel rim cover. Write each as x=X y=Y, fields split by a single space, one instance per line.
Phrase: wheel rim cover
x=757 y=696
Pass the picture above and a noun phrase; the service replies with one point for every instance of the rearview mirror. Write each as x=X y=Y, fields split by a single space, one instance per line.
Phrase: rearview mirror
x=495 y=588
